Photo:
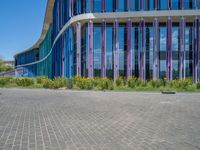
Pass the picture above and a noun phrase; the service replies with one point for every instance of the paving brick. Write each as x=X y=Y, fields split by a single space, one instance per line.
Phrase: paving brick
x=81 y=120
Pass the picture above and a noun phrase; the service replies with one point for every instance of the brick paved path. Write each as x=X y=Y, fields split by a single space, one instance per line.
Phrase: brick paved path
x=64 y=120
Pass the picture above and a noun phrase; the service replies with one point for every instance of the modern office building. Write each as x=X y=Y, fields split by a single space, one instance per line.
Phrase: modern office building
x=148 y=39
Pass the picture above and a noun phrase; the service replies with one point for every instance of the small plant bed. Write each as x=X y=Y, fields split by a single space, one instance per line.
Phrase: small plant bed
x=120 y=84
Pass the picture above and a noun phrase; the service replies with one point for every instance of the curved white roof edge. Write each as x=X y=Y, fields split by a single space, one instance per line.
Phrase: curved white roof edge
x=46 y=24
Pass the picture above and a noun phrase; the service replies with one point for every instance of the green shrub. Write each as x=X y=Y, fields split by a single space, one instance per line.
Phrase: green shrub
x=120 y=81
x=59 y=83
x=198 y=85
x=24 y=82
x=143 y=83
x=106 y=84
x=171 y=83
x=48 y=84
x=140 y=82
x=85 y=83
x=96 y=81
x=155 y=83
x=40 y=80
x=132 y=82
x=5 y=80
x=164 y=82
x=76 y=79
x=183 y=84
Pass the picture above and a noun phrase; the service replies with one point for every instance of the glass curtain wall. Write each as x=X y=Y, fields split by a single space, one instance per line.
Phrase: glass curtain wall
x=162 y=52
x=75 y=52
x=122 y=5
x=189 y=50
x=163 y=4
x=122 y=50
x=84 y=51
x=188 y=4
x=135 y=52
x=109 y=50
x=149 y=4
x=97 y=50
x=175 y=4
x=97 y=6
x=109 y=5
x=134 y=5
x=149 y=51
x=175 y=52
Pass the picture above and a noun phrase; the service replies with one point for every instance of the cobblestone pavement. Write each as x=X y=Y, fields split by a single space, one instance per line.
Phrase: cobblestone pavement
x=72 y=120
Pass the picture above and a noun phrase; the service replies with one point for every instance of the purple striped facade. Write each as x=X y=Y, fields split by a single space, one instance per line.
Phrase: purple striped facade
x=90 y=49
x=103 y=5
x=78 y=42
x=156 y=4
x=116 y=50
x=103 y=53
x=182 y=49
x=196 y=52
x=142 y=49
x=169 y=50
x=129 y=50
x=156 y=49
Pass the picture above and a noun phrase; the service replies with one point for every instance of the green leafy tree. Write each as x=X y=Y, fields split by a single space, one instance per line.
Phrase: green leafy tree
x=4 y=67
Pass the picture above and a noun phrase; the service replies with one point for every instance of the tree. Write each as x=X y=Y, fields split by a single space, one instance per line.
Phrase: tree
x=4 y=67
x=1 y=62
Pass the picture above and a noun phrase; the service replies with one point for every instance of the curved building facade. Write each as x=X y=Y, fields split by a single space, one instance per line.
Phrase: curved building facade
x=148 y=39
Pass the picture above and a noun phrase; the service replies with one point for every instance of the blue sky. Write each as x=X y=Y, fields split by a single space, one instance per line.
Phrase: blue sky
x=20 y=25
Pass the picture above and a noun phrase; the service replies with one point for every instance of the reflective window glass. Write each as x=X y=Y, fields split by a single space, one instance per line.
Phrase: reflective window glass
x=188 y=53
x=84 y=51
x=109 y=51
x=97 y=50
x=163 y=4
x=134 y=5
x=162 y=56
x=121 y=5
x=109 y=5
x=175 y=52
x=149 y=52
x=97 y=5
x=175 y=4
x=188 y=4
x=122 y=52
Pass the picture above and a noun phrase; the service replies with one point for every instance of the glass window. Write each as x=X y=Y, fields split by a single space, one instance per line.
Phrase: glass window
x=75 y=54
x=78 y=6
x=109 y=5
x=188 y=49
x=162 y=57
x=163 y=4
x=135 y=53
x=175 y=4
x=175 y=52
x=84 y=51
x=134 y=5
x=97 y=6
x=149 y=52
x=109 y=51
x=149 y=4
x=121 y=5
x=198 y=4
x=97 y=50
x=188 y=4
x=87 y=6
x=122 y=52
